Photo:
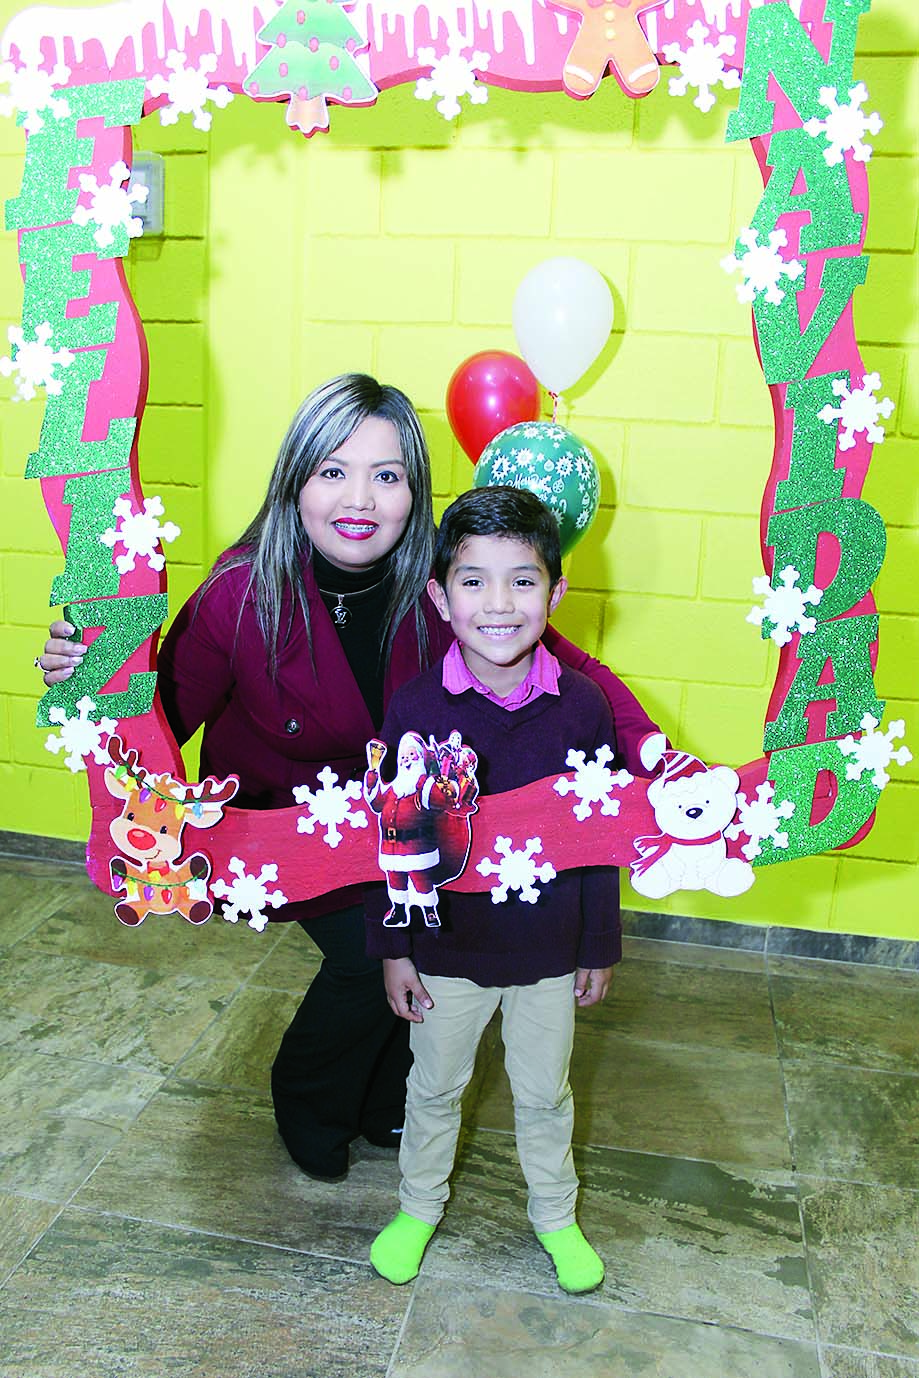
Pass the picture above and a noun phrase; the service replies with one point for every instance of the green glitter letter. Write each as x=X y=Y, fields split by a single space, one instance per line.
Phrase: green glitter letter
x=833 y=222
x=859 y=529
x=45 y=198
x=794 y=773
x=52 y=282
x=89 y=571
x=126 y=623
x=812 y=472
x=778 y=45
x=61 y=450
x=845 y=643
x=788 y=352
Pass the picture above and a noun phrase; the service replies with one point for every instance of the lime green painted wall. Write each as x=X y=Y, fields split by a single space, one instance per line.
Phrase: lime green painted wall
x=395 y=245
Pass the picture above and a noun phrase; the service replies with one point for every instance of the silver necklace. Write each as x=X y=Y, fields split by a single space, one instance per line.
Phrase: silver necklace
x=340 y=614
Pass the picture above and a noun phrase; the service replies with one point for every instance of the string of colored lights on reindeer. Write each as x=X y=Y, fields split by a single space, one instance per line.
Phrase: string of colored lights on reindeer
x=145 y=791
x=151 y=885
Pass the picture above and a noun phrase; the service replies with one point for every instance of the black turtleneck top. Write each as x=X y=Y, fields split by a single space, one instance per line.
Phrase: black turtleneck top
x=365 y=594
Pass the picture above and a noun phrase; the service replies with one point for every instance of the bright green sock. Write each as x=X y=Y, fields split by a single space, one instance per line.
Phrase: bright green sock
x=578 y=1267
x=397 y=1251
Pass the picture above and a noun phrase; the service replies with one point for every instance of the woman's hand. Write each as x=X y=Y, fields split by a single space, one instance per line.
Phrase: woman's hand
x=61 y=657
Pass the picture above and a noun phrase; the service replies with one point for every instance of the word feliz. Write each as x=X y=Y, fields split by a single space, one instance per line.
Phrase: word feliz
x=87 y=454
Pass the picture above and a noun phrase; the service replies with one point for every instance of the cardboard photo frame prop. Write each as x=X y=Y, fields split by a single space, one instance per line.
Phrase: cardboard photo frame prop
x=79 y=80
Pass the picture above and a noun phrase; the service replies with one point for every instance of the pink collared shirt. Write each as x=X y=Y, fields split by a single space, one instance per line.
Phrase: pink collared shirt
x=541 y=678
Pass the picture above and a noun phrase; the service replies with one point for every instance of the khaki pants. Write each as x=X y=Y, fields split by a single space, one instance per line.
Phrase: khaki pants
x=538 y=1032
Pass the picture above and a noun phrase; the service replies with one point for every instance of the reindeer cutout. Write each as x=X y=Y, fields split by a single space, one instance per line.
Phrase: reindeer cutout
x=149 y=830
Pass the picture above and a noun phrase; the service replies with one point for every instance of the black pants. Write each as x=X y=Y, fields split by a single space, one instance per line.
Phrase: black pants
x=341 y=1068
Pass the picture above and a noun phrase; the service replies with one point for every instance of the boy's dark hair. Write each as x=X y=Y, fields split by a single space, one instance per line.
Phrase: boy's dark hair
x=515 y=513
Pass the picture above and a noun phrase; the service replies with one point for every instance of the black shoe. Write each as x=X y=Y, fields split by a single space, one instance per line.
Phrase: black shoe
x=319 y=1171
x=431 y=918
x=383 y=1138
x=331 y=1168
x=323 y=1176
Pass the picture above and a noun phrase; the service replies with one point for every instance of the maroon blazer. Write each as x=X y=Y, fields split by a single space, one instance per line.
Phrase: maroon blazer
x=275 y=734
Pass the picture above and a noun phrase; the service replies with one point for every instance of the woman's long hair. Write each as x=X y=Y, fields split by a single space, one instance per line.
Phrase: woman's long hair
x=274 y=543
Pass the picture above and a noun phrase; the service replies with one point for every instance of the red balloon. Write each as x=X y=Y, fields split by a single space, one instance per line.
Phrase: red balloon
x=489 y=392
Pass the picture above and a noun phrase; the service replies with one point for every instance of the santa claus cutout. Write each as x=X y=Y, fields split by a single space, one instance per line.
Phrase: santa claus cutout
x=425 y=833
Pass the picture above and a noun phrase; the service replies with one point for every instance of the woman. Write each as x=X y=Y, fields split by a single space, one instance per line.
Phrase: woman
x=288 y=655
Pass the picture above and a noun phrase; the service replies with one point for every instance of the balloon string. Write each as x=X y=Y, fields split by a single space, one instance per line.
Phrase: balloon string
x=554 y=396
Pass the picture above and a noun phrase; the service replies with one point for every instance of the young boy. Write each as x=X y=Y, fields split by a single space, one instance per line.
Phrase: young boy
x=497 y=578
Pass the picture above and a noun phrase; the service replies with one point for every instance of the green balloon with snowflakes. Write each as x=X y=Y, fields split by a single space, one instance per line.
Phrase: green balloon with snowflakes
x=551 y=462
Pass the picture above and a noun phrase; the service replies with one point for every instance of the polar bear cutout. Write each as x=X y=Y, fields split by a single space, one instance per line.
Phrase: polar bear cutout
x=693 y=803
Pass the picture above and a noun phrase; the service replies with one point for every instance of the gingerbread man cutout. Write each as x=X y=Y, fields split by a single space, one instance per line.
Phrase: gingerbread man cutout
x=609 y=34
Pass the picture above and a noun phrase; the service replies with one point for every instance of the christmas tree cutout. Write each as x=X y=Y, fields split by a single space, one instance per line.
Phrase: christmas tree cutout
x=311 y=58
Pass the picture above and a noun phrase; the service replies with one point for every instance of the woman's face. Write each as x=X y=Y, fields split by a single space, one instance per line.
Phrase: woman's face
x=356 y=504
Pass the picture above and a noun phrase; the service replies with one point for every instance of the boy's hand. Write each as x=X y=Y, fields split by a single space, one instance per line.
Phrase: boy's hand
x=591 y=984
x=404 y=991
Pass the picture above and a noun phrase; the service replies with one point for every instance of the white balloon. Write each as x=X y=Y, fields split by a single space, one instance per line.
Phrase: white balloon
x=563 y=314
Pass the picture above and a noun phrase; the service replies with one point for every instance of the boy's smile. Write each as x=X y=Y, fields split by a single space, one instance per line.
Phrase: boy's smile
x=497 y=600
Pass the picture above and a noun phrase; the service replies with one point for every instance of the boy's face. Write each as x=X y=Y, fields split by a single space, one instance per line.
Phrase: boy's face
x=497 y=599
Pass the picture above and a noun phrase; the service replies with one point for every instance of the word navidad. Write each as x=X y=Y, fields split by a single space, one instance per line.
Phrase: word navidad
x=824 y=537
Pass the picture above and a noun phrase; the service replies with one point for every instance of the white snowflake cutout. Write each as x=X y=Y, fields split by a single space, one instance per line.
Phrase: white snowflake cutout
x=80 y=736
x=516 y=870
x=784 y=606
x=759 y=818
x=592 y=783
x=34 y=363
x=874 y=750
x=111 y=206
x=701 y=65
x=249 y=894
x=188 y=90
x=858 y=410
x=32 y=90
x=139 y=533
x=330 y=806
x=762 y=266
x=452 y=76
x=845 y=126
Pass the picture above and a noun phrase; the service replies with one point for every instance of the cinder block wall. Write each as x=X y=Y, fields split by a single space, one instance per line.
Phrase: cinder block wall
x=395 y=244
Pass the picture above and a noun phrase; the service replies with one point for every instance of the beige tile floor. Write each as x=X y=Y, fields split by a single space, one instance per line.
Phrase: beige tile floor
x=747 y=1138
